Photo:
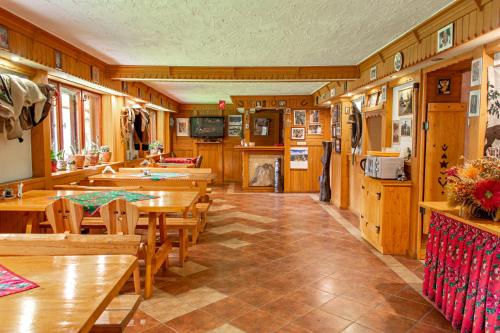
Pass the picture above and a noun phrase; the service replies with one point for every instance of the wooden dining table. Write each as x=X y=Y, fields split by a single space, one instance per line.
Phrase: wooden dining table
x=166 y=202
x=73 y=291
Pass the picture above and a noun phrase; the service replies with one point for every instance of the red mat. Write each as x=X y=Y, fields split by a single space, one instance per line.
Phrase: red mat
x=11 y=283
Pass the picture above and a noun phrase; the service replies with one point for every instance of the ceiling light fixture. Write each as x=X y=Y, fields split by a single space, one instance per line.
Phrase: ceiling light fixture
x=15 y=58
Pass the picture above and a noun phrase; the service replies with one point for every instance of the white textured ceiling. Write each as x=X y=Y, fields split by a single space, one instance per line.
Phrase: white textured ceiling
x=213 y=91
x=227 y=32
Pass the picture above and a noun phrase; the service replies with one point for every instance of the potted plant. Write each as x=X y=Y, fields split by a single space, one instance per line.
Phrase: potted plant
x=72 y=165
x=105 y=154
x=78 y=159
x=61 y=162
x=92 y=154
x=155 y=148
x=53 y=160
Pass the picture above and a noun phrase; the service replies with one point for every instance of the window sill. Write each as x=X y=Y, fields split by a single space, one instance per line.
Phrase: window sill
x=93 y=169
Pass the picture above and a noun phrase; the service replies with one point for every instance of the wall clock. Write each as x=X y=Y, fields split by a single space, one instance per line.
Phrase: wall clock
x=398 y=61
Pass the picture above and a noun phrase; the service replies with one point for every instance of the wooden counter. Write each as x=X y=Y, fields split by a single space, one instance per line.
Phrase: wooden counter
x=263 y=152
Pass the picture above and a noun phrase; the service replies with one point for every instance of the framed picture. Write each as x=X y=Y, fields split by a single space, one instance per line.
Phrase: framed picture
x=182 y=126
x=338 y=130
x=57 y=60
x=4 y=37
x=124 y=86
x=333 y=92
x=298 y=133
x=398 y=61
x=334 y=133
x=288 y=111
x=314 y=117
x=338 y=146
x=347 y=110
x=445 y=38
x=261 y=126
x=282 y=103
x=336 y=113
x=444 y=86
x=405 y=101
x=475 y=72
x=299 y=157
x=234 y=120
x=405 y=126
x=299 y=117
x=383 y=94
x=474 y=103
x=373 y=99
x=395 y=132
x=233 y=130
x=258 y=104
x=314 y=129
x=95 y=73
x=373 y=73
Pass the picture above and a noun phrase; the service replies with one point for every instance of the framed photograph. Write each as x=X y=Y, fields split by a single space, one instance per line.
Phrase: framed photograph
x=288 y=111
x=57 y=60
x=261 y=126
x=234 y=120
x=398 y=61
x=182 y=126
x=233 y=130
x=334 y=133
x=299 y=157
x=383 y=94
x=444 y=86
x=475 y=72
x=373 y=99
x=474 y=103
x=299 y=117
x=338 y=130
x=333 y=92
x=4 y=38
x=258 y=104
x=373 y=73
x=347 y=110
x=314 y=117
x=298 y=133
x=282 y=103
x=405 y=101
x=95 y=73
x=314 y=129
x=445 y=38
x=336 y=113
x=395 y=132
x=338 y=146
x=405 y=126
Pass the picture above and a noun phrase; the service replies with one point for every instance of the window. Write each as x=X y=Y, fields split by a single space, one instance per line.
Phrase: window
x=75 y=118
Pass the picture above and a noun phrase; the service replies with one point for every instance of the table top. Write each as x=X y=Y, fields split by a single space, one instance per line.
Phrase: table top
x=453 y=212
x=73 y=291
x=136 y=176
x=167 y=201
x=167 y=170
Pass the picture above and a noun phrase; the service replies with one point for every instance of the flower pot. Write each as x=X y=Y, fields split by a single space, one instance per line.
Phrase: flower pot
x=53 y=166
x=153 y=152
x=92 y=159
x=72 y=166
x=61 y=165
x=78 y=159
x=106 y=156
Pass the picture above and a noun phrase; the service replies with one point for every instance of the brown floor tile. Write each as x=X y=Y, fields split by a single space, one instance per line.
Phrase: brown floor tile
x=405 y=308
x=160 y=328
x=332 y=286
x=228 y=308
x=259 y=321
x=293 y=328
x=311 y=296
x=140 y=322
x=357 y=328
x=287 y=308
x=436 y=319
x=320 y=321
x=411 y=294
x=195 y=321
x=345 y=308
x=385 y=321
x=423 y=328
x=257 y=296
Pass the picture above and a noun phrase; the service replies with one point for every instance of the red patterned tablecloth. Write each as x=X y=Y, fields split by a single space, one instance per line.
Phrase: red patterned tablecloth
x=462 y=274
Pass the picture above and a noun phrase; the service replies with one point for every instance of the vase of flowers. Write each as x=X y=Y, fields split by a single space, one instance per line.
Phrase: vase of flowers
x=475 y=187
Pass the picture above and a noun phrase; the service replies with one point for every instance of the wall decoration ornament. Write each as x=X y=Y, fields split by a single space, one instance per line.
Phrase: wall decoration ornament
x=373 y=73
x=476 y=71
x=444 y=86
x=4 y=38
x=474 y=103
x=182 y=126
x=443 y=165
x=398 y=61
x=298 y=133
x=445 y=38
x=299 y=157
x=299 y=117
x=282 y=103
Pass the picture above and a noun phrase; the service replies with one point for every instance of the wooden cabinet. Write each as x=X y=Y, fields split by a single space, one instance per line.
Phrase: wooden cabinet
x=385 y=214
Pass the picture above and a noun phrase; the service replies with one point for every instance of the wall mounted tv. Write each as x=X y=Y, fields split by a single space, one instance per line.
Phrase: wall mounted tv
x=207 y=127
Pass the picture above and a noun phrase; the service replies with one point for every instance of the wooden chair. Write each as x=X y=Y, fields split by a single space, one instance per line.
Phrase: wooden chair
x=122 y=308
x=64 y=215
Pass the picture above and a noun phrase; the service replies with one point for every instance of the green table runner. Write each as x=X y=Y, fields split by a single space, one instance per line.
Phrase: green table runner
x=92 y=201
x=161 y=175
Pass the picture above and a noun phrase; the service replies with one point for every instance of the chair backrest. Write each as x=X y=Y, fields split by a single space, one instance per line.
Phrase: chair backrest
x=64 y=216
x=94 y=188
x=199 y=159
x=67 y=244
x=120 y=217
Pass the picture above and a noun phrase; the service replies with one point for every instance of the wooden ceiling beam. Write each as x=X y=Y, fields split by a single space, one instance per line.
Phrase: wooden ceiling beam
x=305 y=73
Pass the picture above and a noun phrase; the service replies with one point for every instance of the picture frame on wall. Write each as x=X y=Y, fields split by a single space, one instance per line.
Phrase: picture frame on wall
x=234 y=120
x=314 y=129
x=282 y=103
x=373 y=73
x=445 y=38
x=233 y=130
x=475 y=72
x=314 y=117
x=373 y=99
x=405 y=101
x=338 y=146
x=299 y=117
x=299 y=157
x=444 y=86
x=58 y=60
x=474 y=103
x=338 y=130
x=398 y=61
x=396 y=135
x=298 y=133
x=95 y=73
x=334 y=133
x=383 y=94
x=4 y=38
x=405 y=127
x=182 y=128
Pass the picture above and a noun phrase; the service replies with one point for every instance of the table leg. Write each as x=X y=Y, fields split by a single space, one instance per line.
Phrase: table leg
x=150 y=252
x=182 y=246
x=163 y=236
x=30 y=220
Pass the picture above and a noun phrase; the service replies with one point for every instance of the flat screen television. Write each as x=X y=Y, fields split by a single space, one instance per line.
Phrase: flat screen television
x=207 y=127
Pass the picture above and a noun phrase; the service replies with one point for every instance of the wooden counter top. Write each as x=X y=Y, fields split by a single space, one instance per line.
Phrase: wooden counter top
x=262 y=148
x=452 y=212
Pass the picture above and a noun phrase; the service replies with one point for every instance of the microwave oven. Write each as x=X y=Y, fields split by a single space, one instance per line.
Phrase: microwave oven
x=382 y=167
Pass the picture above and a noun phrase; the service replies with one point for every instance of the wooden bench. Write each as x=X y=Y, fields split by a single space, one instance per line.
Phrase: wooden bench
x=119 y=312
x=202 y=211
x=184 y=226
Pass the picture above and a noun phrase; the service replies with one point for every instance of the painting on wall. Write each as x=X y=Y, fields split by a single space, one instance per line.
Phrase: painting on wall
x=405 y=125
x=405 y=102
x=261 y=126
x=299 y=117
x=445 y=38
x=444 y=86
x=373 y=73
x=395 y=133
x=492 y=136
x=314 y=129
x=234 y=120
x=4 y=37
x=476 y=69
x=314 y=117
x=299 y=157
x=261 y=170
x=182 y=126
x=233 y=130
x=298 y=133
x=57 y=59
x=474 y=103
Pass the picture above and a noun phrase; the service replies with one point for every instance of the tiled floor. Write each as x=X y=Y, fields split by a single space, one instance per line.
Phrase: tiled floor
x=285 y=263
